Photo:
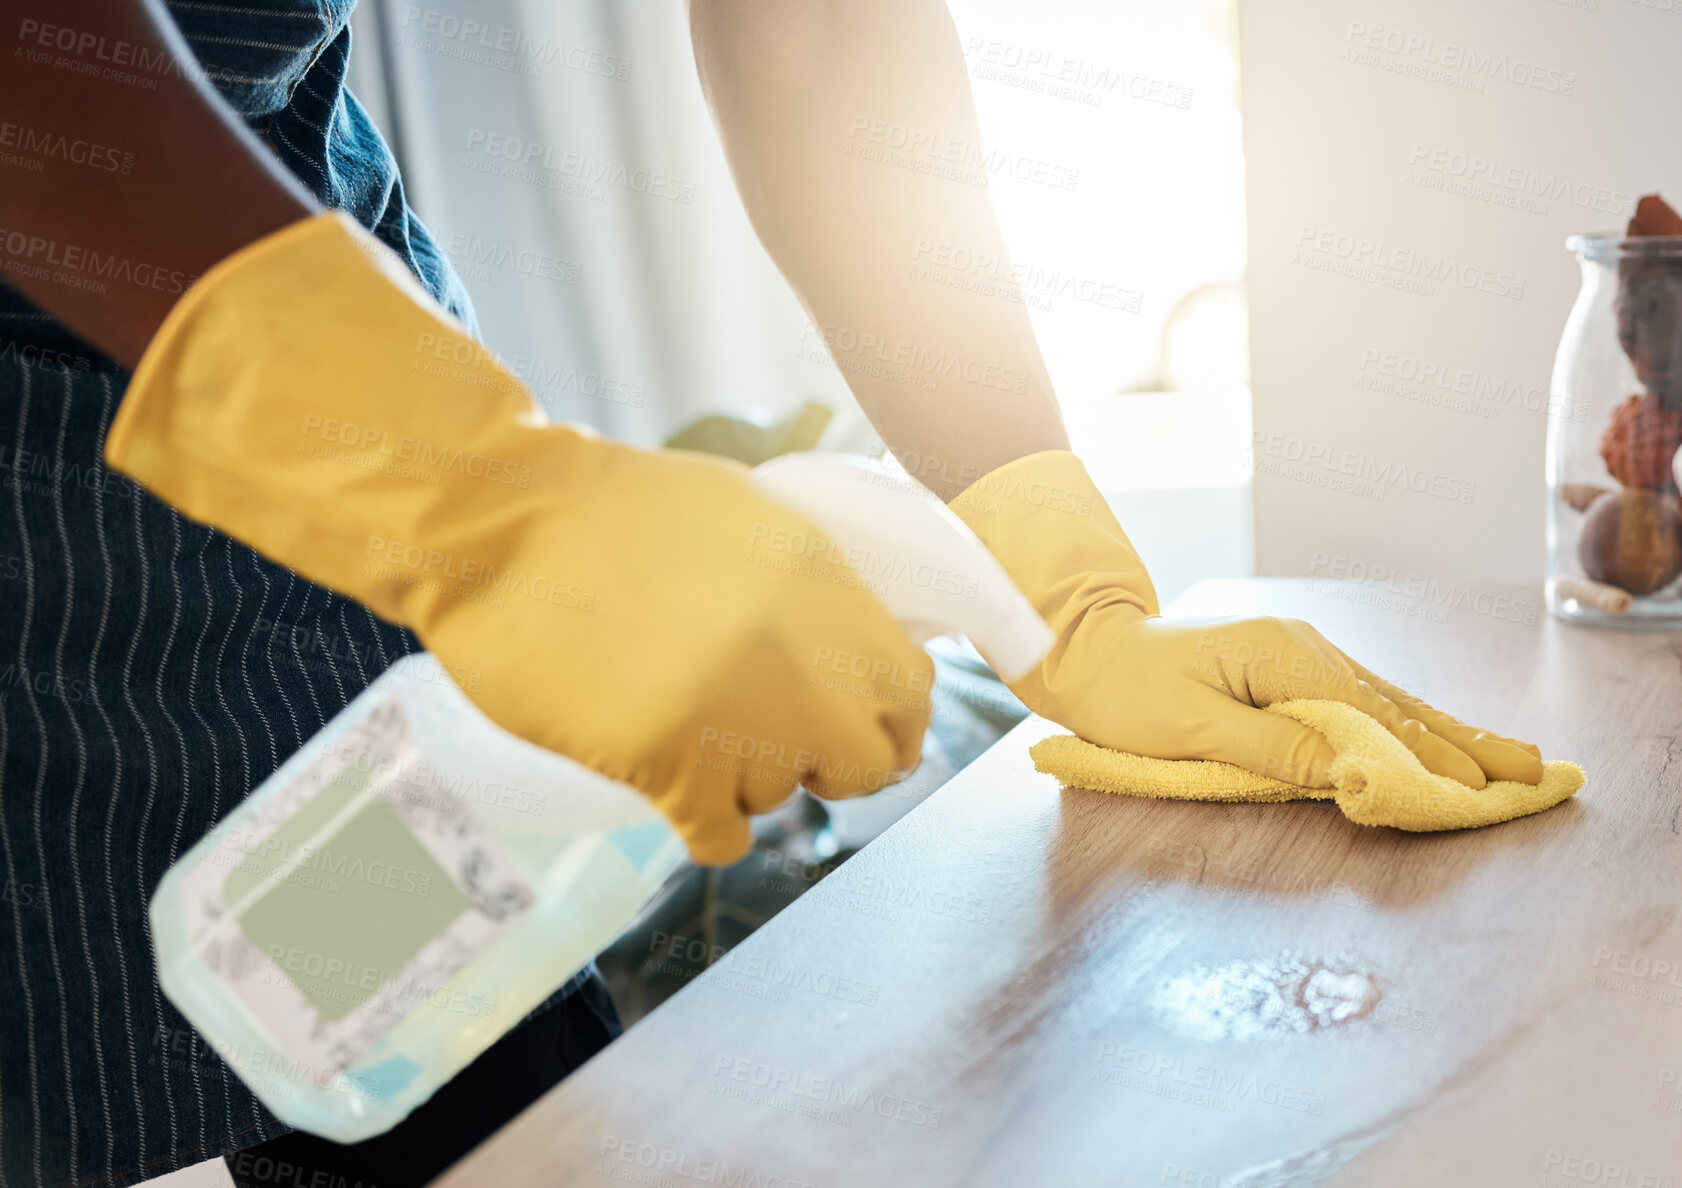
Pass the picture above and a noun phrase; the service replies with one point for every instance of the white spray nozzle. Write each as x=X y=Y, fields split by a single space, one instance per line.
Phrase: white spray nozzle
x=932 y=573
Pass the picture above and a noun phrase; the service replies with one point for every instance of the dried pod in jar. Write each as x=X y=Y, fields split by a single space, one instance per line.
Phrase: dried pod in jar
x=1640 y=443
x=1649 y=305
x=1654 y=216
x=1632 y=539
x=1578 y=496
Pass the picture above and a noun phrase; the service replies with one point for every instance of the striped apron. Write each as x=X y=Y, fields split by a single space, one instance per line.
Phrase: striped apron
x=153 y=672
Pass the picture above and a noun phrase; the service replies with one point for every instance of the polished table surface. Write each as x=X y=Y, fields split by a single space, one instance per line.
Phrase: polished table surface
x=1022 y=984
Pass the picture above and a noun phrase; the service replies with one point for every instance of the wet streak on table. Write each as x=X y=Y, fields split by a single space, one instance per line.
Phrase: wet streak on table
x=1021 y=984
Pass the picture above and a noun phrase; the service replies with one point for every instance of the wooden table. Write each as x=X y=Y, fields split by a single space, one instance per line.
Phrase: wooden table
x=1026 y=985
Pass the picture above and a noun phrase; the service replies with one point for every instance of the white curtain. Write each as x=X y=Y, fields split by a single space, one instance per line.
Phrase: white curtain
x=564 y=156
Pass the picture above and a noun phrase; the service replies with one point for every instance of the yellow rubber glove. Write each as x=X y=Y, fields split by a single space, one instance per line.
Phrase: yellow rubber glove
x=644 y=613
x=1125 y=678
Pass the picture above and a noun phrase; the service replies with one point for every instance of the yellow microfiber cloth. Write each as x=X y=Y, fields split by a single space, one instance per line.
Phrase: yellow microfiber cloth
x=1377 y=780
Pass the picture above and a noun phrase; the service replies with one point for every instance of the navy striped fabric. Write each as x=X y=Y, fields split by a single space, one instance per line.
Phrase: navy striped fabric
x=152 y=672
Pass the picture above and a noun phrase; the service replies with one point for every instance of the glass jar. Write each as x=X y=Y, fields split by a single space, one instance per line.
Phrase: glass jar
x=1614 y=514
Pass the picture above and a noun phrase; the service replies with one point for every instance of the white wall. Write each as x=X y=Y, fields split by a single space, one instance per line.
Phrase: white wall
x=1340 y=140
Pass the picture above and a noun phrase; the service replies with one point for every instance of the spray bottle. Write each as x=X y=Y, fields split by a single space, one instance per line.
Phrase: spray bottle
x=414 y=881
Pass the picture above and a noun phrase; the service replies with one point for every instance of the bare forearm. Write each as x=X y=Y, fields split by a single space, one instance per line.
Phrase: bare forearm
x=197 y=184
x=810 y=96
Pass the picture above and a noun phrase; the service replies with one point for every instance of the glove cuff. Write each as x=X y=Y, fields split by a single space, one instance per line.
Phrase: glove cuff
x=1052 y=530
x=253 y=305
x=308 y=397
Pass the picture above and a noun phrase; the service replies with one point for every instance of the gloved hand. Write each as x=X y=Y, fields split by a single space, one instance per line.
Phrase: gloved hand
x=629 y=609
x=1125 y=678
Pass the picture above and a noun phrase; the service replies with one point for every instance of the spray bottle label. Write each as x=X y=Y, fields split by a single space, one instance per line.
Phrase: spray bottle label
x=351 y=897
